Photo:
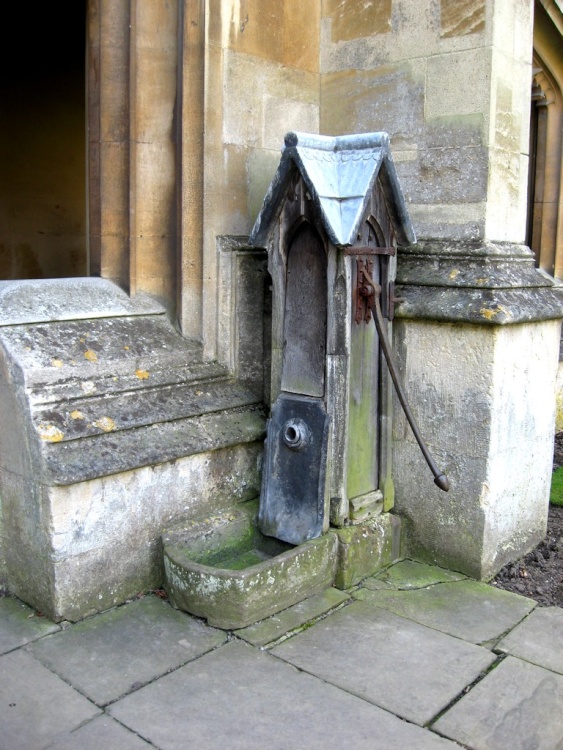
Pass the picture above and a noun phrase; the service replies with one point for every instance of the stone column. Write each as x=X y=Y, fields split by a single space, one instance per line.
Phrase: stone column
x=478 y=334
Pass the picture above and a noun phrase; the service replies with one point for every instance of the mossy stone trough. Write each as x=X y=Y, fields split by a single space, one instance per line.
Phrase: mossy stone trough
x=225 y=570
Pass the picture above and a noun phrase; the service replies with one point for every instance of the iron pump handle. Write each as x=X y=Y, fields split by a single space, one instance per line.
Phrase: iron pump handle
x=372 y=299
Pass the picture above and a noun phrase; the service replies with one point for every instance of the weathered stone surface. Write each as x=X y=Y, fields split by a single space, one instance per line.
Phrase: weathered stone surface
x=493 y=442
x=125 y=648
x=253 y=696
x=240 y=590
x=374 y=654
x=408 y=575
x=538 y=639
x=517 y=706
x=283 y=33
x=19 y=624
x=292 y=618
x=472 y=265
x=470 y=610
x=107 y=415
x=367 y=547
x=42 y=300
x=348 y=21
x=460 y=18
x=35 y=718
x=103 y=731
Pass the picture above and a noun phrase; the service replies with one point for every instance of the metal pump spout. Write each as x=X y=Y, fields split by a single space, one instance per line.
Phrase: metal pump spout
x=372 y=292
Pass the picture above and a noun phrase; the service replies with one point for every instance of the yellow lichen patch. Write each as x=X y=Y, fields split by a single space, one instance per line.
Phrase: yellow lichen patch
x=57 y=362
x=50 y=433
x=105 y=423
x=126 y=348
x=482 y=281
x=488 y=314
x=454 y=274
x=142 y=374
x=91 y=355
x=76 y=414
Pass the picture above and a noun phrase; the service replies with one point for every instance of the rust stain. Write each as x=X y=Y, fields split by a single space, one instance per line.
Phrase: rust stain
x=105 y=423
x=91 y=355
x=142 y=374
x=57 y=362
x=76 y=414
x=50 y=433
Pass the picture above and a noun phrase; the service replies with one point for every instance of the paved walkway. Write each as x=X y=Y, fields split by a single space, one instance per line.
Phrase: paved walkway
x=417 y=658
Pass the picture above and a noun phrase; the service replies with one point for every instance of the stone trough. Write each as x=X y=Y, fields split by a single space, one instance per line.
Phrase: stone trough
x=225 y=570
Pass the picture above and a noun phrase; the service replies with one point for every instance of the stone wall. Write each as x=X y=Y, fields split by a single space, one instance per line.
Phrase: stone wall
x=450 y=83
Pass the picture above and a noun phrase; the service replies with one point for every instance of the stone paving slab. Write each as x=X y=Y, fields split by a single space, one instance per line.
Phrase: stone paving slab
x=36 y=706
x=269 y=630
x=240 y=698
x=467 y=609
x=102 y=733
x=538 y=639
x=408 y=574
x=19 y=624
x=402 y=666
x=518 y=706
x=120 y=650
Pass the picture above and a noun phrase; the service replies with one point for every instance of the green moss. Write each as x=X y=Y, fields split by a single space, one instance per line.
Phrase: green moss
x=556 y=496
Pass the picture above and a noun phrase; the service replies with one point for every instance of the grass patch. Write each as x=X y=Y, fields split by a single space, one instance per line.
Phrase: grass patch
x=556 y=496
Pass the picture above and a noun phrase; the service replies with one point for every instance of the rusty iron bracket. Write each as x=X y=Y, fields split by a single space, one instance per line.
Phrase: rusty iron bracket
x=369 y=251
x=364 y=291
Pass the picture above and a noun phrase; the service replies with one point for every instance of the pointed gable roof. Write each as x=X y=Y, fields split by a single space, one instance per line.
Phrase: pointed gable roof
x=339 y=174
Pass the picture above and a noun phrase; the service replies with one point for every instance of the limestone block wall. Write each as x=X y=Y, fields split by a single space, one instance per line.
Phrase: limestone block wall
x=261 y=80
x=450 y=82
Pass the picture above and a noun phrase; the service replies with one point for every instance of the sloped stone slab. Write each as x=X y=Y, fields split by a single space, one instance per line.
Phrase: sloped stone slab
x=408 y=575
x=39 y=300
x=518 y=706
x=470 y=610
x=118 y=651
x=19 y=624
x=243 y=699
x=538 y=639
x=275 y=627
x=36 y=705
x=406 y=668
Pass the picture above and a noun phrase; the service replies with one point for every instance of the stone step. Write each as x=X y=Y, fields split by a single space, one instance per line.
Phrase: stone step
x=67 y=360
x=114 y=452
x=95 y=415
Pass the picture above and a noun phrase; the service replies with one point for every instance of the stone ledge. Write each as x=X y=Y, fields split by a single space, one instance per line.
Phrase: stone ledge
x=485 y=283
x=493 y=307
x=44 y=300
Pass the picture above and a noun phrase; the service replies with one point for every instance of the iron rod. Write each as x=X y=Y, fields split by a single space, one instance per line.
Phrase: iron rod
x=440 y=479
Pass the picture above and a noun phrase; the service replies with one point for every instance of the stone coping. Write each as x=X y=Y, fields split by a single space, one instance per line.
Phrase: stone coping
x=45 y=300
